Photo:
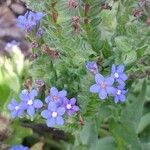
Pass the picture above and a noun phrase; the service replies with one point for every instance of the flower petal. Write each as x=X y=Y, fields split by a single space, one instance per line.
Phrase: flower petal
x=99 y=78
x=14 y=114
x=50 y=122
x=95 y=88
x=33 y=94
x=52 y=106
x=113 y=69
x=47 y=99
x=102 y=94
x=53 y=91
x=31 y=111
x=109 y=81
x=123 y=77
x=72 y=101
x=24 y=97
x=116 y=99
x=59 y=120
x=38 y=103
x=120 y=69
x=110 y=90
x=122 y=83
x=61 y=111
x=122 y=98
x=75 y=108
x=45 y=114
x=62 y=93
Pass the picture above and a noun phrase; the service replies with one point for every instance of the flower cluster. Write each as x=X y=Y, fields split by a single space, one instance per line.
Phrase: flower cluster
x=56 y=105
x=29 y=21
x=28 y=103
x=18 y=147
x=114 y=85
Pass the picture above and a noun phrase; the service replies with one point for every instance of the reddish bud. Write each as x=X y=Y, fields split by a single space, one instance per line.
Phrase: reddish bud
x=76 y=23
x=137 y=13
x=72 y=4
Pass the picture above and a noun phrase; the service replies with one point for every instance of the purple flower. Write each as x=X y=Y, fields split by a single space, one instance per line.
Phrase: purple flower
x=29 y=20
x=18 y=147
x=15 y=108
x=103 y=86
x=70 y=106
x=56 y=96
x=53 y=115
x=119 y=94
x=118 y=74
x=40 y=32
x=92 y=67
x=29 y=102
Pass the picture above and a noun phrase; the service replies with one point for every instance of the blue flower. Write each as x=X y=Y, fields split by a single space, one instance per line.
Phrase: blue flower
x=18 y=147
x=103 y=86
x=29 y=102
x=70 y=106
x=92 y=67
x=56 y=96
x=119 y=94
x=53 y=115
x=29 y=20
x=118 y=74
x=15 y=108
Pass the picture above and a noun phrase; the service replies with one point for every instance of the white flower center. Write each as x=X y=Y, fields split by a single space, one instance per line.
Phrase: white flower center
x=17 y=108
x=116 y=75
x=30 y=102
x=69 y=106
x=54 y=114
x=118 y=92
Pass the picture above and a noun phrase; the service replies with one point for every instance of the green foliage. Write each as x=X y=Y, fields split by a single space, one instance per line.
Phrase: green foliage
x=107 y=37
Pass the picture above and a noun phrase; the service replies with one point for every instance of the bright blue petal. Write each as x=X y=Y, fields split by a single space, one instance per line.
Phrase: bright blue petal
x=95 y=88
x=122 y=98
x=33 y=94
x=59 y=120
x=120 y=69
x=123 y=77
x=113 y=69
x=62 y=93
x=110 y=90
x=50 y=122
x=38 y=103
x=109 y=81
x=53 y=91
x=61 y=111
x=102 y=94
x=52 y=106
x=116 y=99
x=46 y=114
x=99 y=78
x=31 y=111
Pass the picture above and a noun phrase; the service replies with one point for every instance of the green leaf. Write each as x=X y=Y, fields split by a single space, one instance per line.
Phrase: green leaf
x=128 y=58
x=88 y=134
x=132 y=114
x=106 y=143
x=145 y=121
x=123 y=44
